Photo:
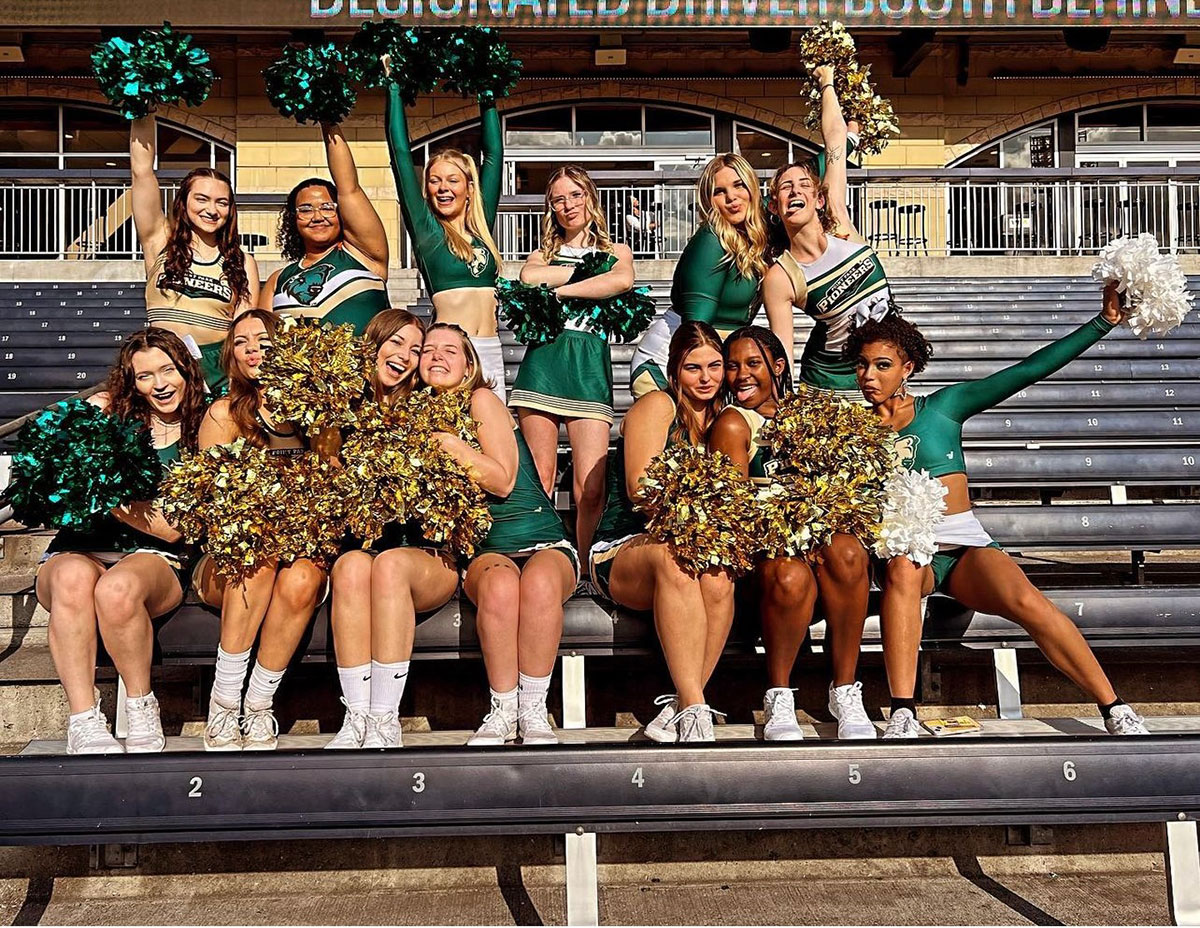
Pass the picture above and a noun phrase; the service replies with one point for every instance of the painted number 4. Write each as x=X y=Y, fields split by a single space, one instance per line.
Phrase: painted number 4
x=638 y=779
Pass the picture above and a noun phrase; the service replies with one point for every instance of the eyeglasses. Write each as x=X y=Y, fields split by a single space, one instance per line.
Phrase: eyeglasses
x=307 y=210
x=558 y=204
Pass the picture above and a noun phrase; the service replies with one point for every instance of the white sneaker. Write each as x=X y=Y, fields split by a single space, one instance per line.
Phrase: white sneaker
x=695 y=723
x=89 y=734
x=846 y=705
x=383 y=731
x=499 y=726
x=1123 y=720
x=779 y=716
x=534 y=725
x=352 y=732
x=260 y=730
x=662 y=726
x=902 y=724
x=145 y=726
x=222 y=731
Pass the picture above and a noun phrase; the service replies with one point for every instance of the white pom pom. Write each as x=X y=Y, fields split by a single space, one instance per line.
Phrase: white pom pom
x=1154 y=284
x=914 y=507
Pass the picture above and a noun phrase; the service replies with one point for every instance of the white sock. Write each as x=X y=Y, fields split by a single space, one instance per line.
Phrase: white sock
x=356 y=686
x=507 y=701
x=263 y=684
x=387 y=686
x=230 y=675
x=532 y=690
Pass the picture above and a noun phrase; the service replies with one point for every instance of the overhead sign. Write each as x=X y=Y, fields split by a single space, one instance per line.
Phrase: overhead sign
x=608 y=14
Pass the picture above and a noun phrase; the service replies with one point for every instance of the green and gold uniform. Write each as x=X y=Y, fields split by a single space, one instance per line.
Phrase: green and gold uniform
x=336 y=289
x=199 y=306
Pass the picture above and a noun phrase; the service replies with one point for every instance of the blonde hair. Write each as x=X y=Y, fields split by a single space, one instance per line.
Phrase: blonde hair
x=596 y=235
x=476 y=220
x=474 y=379
x=745 y=246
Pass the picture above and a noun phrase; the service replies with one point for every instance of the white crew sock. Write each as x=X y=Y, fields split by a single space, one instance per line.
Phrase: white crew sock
x=507 y=701
x=387 y=686
x=532 y=690
x=230 y=675
x=263 y=684
x=356 y=686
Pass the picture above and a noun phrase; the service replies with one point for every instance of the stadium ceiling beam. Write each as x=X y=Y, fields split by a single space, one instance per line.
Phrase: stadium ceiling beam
x=909 y=49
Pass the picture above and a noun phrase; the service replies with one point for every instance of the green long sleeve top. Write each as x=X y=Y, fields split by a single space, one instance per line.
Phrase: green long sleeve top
x=933 y=440
x=441 y=268
x=707 y=286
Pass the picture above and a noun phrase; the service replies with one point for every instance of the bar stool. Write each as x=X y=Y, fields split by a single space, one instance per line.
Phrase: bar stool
x=912 y=229
x=883 y=223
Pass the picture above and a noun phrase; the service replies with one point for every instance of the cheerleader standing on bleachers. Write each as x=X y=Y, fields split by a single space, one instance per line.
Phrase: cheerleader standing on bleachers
x=336 y=244
x=134 y=565
x=197 y=277
x=449 y=214
x=378 y=592
x=570 y=378
x=825 y=268
x=692 y=615
x=524 y=570
x=279 y=599
x=757 y=377
x=969 y=565
x=717 y=277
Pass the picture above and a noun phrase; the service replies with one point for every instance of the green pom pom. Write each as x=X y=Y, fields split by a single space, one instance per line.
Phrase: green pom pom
x=593 y=264
x=622 y=317
x=418 y=57
x=74 y=462
x=157 y=67
x=310 y=84
x=533 y=314
x=479 y=64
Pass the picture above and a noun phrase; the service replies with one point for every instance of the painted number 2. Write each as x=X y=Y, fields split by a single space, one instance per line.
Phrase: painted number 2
x=195 y=783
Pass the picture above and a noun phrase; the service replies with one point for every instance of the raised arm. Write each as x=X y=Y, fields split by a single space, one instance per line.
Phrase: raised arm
x=145 y=196
x=421 y=223
x=834 y=134
x=361 y=225
x=617 y=279
x=963 y=400
x=645 y=429
x=491 y=167
x=699 y=277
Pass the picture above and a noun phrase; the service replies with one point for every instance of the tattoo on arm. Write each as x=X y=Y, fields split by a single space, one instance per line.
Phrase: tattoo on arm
x=833 y=154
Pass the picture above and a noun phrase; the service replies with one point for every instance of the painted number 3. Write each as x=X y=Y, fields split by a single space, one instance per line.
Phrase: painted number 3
x=418 y=782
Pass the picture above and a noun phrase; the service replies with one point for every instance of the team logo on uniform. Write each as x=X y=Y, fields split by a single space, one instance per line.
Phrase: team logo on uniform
x=905 y=449
x=306 y=286
x=479 y=259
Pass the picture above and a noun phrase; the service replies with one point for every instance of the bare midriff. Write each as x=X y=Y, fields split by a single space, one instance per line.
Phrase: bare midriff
x=473 y=309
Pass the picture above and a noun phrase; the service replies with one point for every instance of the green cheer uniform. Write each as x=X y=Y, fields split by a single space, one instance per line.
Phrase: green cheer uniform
x=199 y=307
x=525 y=521
x=706 y=287
x=932 y=442
x=841 y=289
x=570 y=376
x=108 y=540
x=335 y=289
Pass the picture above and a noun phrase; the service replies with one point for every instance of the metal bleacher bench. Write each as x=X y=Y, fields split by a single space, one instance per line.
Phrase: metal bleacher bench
x=1127 y=415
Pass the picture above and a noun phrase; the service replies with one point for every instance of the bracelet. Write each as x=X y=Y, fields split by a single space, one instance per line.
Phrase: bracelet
x=825 y=87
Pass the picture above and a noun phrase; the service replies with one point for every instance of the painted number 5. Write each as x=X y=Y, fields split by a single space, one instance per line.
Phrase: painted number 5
x=855 y=776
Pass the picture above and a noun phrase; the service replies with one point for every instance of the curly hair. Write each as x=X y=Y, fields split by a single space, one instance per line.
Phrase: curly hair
x=127 y=402
x=291 y=245
x=745 y=246
x=690 y=335
x=771 y=349
x=779 y=241
x=893 y=330
x=177 y=256
x=597 y=232
x=245 y=396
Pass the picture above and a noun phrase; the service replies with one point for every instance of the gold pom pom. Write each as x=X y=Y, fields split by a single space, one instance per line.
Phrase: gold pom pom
x=698 y=504
x=315 y=375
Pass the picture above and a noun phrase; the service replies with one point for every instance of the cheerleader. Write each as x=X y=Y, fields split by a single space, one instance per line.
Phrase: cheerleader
x=449 y=214
x=826 y=269
x=969 y=565
x=570 y=378
x=278 y=599
x=133 y=566
x=717 y=277
x=693 y=615
x=197 y=277
x=378 y=592
x=524 y=570
x=757 y=377
x=336 y=244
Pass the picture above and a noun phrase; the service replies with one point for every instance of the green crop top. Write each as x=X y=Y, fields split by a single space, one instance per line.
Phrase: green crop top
x=933 y=440
x=441 y=268
x=707 y=286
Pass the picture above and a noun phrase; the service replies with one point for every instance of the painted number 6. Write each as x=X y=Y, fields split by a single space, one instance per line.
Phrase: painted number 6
x=1069 y=773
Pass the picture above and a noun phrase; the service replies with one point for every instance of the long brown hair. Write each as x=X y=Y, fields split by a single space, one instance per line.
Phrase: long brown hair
x=383 y=326
x=690 y=335
x=178 y=253
x=126 y=402
x=245 y=398
x=476 y=219
x=745 y=246
x=779 y=237
x=597 y=232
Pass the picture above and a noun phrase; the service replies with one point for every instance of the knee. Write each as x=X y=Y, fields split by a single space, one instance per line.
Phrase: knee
x=845 y=560
x=390 y=573
x=667 y=572
x=589 y=490
x=352 y=571
x=789 y=583
x=499 y=594
x=73 y=584
x=118 y=597
x=540 y=590
x=717 y=589
x=298 y=586
x=904 y=576
x=1030 y=609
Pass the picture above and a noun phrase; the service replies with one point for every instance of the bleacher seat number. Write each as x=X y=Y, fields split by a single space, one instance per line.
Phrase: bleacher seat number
x=195 y=792
x=1069 y=773
x=638 y=779
x=418 y=782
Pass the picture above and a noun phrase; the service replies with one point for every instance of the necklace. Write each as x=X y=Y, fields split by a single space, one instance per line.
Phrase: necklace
x=164 y=433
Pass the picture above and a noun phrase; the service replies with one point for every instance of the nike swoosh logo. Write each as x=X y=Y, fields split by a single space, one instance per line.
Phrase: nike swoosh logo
x=400 y=676
x=366 y=678
x=275 y=682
